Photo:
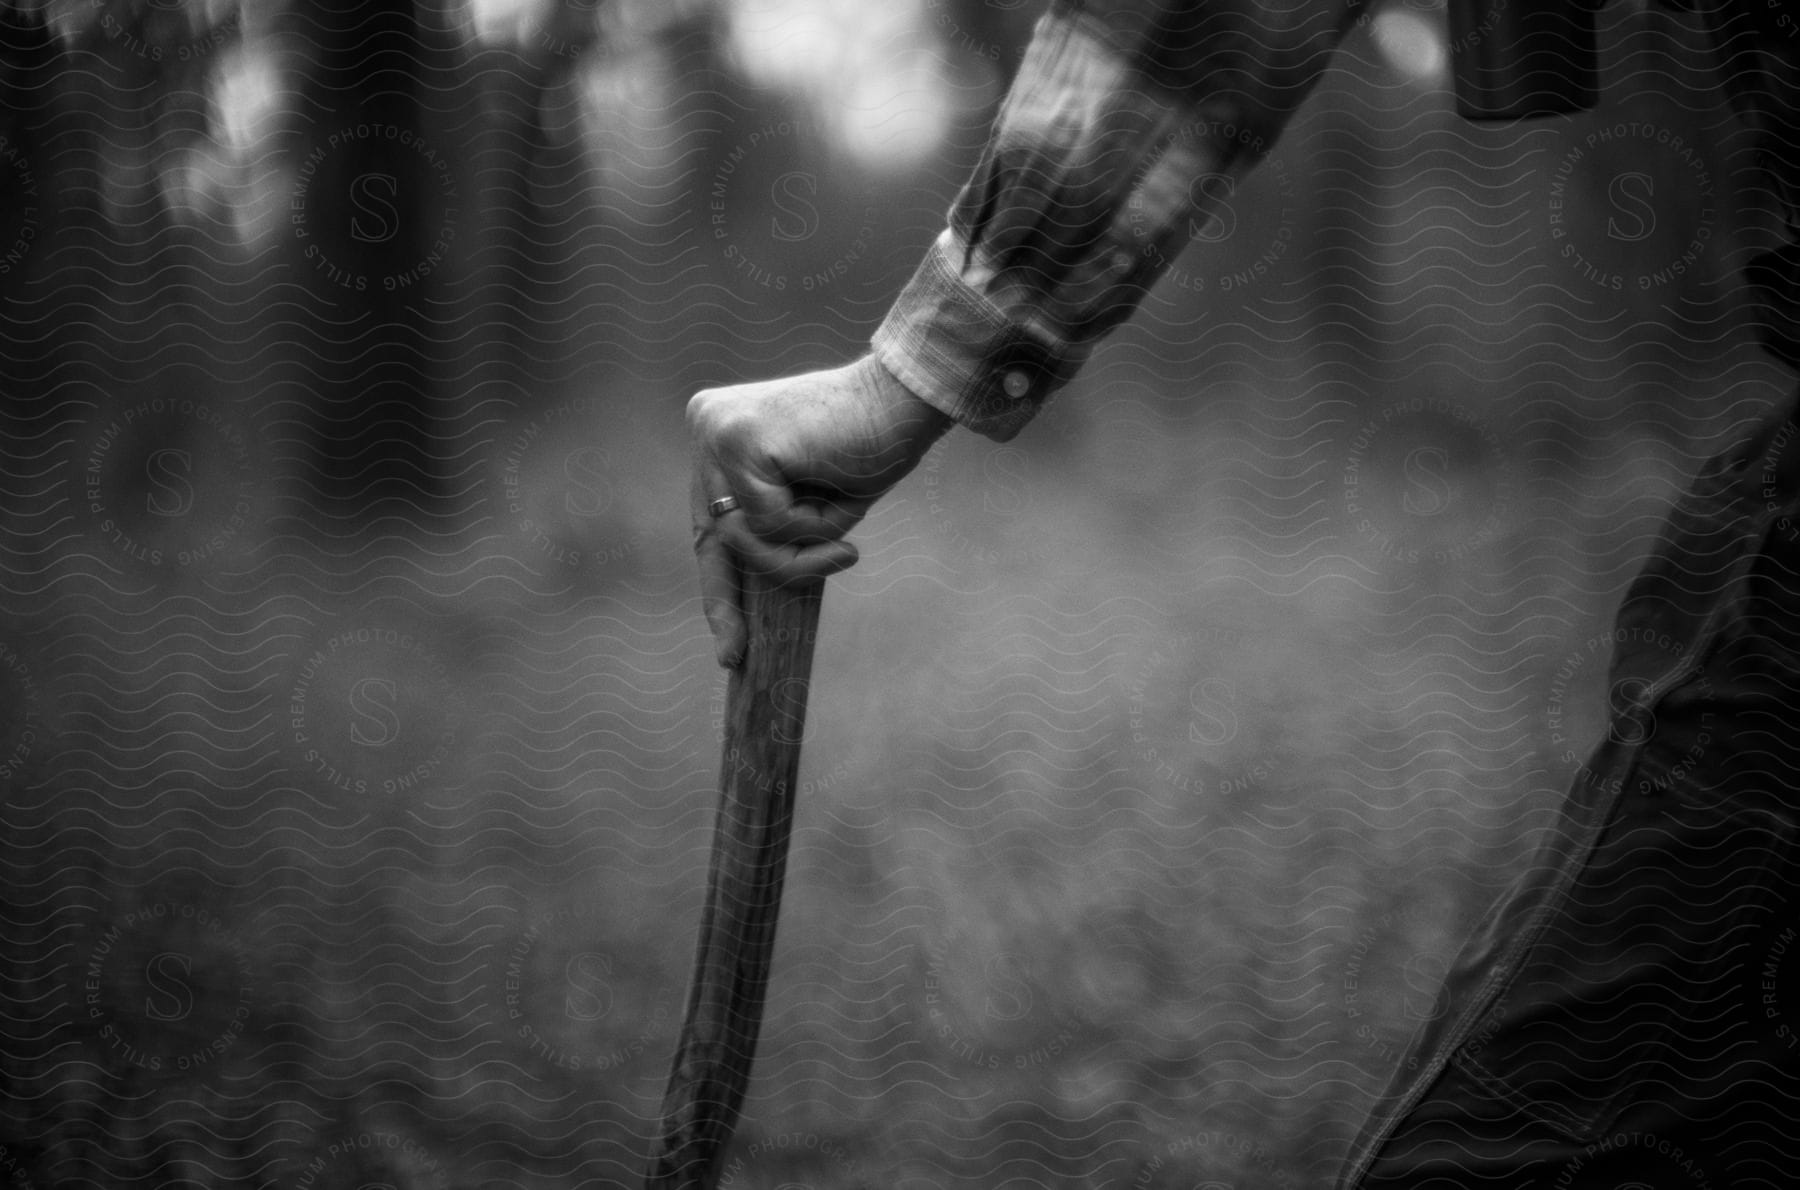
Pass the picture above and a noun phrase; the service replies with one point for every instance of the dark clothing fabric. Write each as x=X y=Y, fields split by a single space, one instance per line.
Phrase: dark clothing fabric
x=1638 y=992
x=1630 y=1010
x=1757 y=43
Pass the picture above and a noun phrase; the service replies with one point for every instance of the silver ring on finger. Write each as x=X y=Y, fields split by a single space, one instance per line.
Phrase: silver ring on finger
x=721 y=506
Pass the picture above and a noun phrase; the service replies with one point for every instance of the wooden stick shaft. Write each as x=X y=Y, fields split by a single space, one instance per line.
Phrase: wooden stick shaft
x=765 y=712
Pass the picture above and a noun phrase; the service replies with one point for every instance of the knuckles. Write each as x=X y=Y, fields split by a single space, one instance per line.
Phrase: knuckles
x=699 y=409
x=722 y=420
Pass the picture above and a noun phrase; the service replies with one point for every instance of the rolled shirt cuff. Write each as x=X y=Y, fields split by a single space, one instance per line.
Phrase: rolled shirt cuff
x=957 y=349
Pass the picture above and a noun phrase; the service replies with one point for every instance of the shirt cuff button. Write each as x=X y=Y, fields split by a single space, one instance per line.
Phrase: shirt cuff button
x=1016 y=384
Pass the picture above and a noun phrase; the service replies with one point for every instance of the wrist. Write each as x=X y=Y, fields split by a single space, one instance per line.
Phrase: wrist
x=914 y=420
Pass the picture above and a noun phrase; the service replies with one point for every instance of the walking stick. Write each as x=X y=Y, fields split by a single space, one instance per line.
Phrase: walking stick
x=765 y=710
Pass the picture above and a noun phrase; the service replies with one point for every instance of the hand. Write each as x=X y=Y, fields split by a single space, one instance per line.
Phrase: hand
x=805 y=457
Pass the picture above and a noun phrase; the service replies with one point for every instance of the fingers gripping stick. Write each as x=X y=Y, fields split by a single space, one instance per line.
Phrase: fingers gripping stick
x=765 y=711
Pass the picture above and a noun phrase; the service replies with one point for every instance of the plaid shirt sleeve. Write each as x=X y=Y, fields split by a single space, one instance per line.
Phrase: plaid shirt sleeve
x=1125 y=120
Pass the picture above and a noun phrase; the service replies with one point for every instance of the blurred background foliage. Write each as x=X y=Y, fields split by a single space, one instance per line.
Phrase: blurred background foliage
x=360 y=723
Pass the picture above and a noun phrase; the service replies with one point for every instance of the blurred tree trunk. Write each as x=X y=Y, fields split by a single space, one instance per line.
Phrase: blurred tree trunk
x=379 y=191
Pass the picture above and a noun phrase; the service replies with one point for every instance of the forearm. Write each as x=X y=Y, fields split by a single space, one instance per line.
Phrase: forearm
x=1119 y=137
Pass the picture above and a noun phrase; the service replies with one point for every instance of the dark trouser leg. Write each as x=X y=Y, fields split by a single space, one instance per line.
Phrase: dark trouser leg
x=1651 y=1034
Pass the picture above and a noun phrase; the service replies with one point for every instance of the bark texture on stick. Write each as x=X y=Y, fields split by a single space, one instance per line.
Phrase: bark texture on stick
x=765 y=712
